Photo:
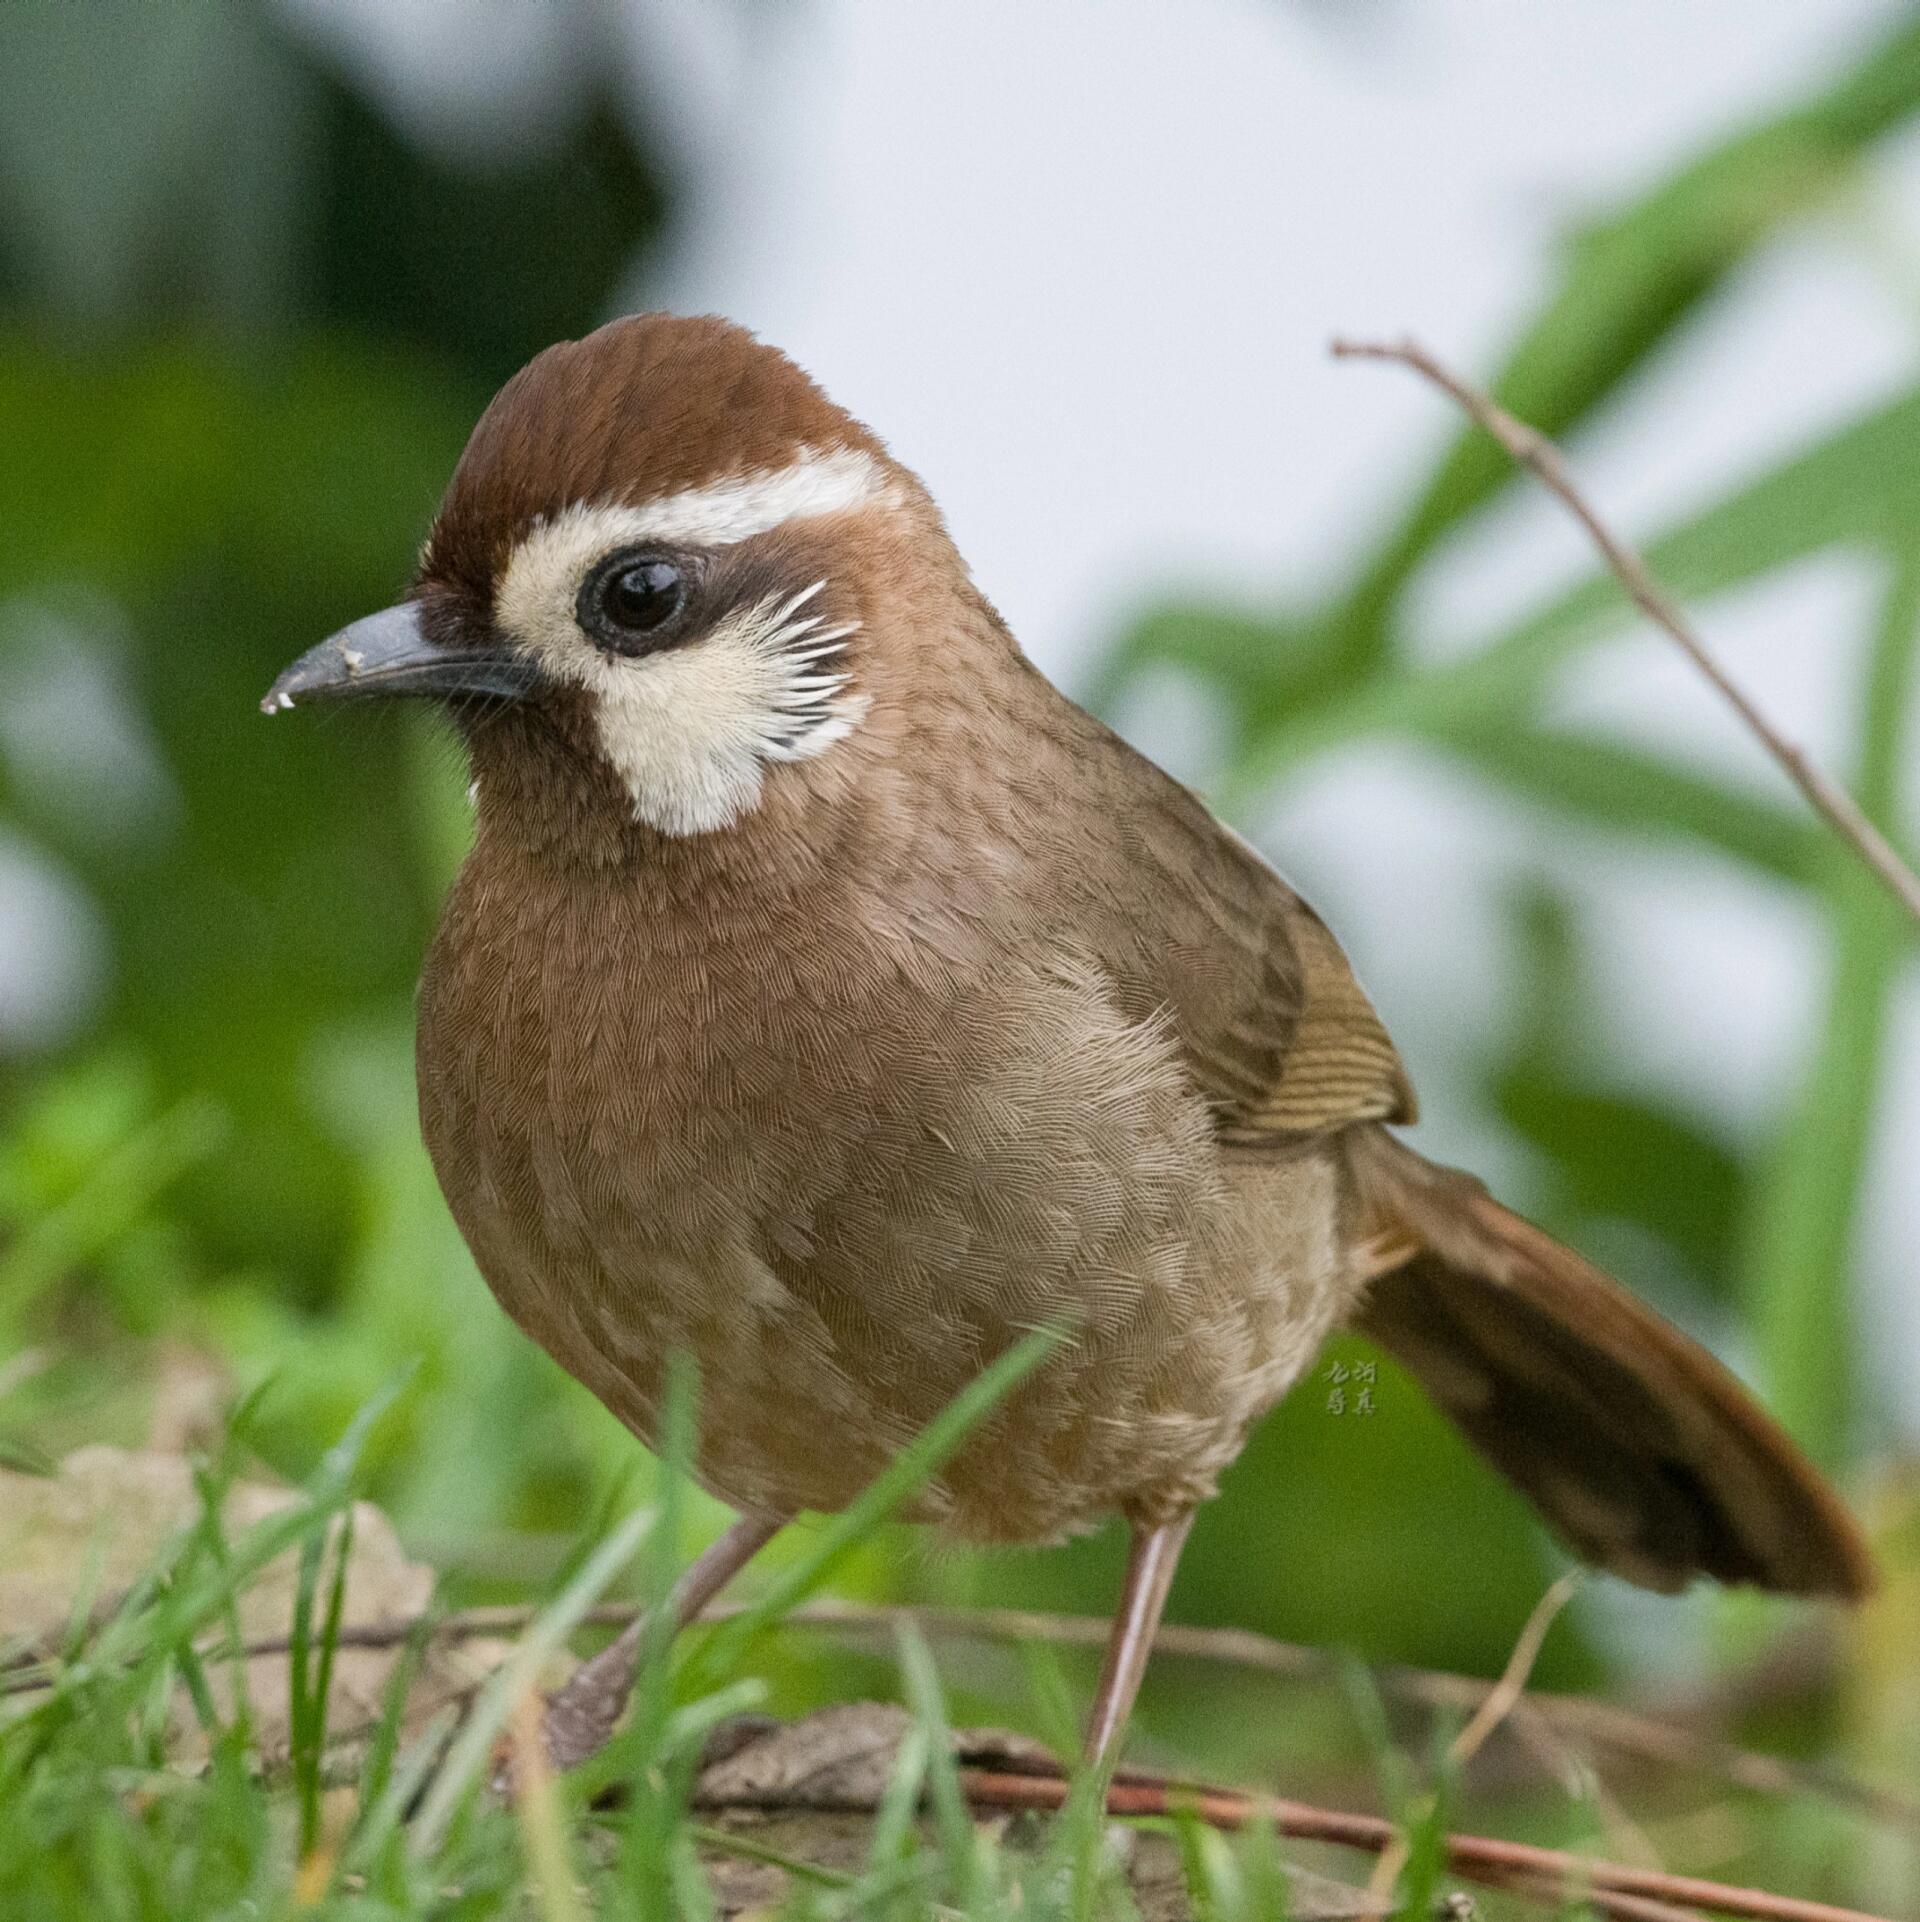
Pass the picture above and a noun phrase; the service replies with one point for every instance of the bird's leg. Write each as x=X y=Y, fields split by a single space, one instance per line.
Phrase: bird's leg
x=581 y=1715
x=1150 y=1565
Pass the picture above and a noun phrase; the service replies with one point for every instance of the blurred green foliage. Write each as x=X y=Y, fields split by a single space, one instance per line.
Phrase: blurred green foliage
x=240 y=346
x=1765 y=1229
x=244 y=342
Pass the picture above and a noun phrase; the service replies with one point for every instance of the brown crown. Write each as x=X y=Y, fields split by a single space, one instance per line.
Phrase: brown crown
x=642 y=407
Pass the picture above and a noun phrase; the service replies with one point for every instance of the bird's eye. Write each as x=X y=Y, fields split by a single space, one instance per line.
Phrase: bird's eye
x=626 y=603
x=644 y=595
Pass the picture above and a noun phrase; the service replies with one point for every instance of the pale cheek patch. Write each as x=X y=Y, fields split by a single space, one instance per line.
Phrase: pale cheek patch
x=690 y=731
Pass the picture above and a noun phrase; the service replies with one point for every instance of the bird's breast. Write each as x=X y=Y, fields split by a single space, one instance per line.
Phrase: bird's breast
x=587 y=1056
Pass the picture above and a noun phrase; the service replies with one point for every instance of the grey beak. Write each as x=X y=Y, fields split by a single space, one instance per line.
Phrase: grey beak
x=386 y=653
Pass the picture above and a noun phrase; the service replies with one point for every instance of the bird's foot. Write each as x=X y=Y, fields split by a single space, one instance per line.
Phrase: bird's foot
x=578 y=1719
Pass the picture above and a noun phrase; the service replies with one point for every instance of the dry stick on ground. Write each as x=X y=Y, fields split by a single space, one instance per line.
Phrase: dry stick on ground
x=1630 y=1894
x=1612 y=1889
x=1835 y=806
x=1666 y=1743
x=1623 y=1908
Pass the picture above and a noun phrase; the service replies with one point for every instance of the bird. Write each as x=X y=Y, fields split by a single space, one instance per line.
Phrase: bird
x=828 y=999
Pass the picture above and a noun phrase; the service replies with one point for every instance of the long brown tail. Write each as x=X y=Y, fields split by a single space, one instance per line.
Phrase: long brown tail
x=1644 y=1454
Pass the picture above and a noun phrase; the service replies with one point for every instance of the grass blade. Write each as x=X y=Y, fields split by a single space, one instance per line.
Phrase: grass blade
x=958 y=1841
x=1597 y=782
x=117 y=1194
x=1801 y=1235
x=659 y=1775
x=472 y=1746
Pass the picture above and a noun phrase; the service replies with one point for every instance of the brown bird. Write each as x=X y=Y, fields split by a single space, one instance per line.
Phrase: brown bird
x=829 y=998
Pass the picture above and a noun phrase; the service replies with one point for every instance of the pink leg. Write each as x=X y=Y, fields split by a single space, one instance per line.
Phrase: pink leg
x=581 y=1716
x=1150 y=1566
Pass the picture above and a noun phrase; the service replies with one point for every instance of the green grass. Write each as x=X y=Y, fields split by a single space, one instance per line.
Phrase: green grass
x=137 y=1783
x=116 y=1806
x=104 y=1813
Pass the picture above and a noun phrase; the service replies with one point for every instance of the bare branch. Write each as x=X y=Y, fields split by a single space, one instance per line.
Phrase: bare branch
x=1834 y=805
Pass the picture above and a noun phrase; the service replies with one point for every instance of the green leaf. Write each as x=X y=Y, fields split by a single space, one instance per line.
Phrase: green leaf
x=113 y=1198
x=1264 y=662
x=26 y=1457
x=661 y=1780
x=1608 y=784
x=1858 y=485
x=1616 y=1155
x=310 y=1682
x=1799 y=1270
x=1622 y=1158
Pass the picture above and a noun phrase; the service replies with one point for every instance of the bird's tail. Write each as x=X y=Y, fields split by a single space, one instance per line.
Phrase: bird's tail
x=1643 y=1453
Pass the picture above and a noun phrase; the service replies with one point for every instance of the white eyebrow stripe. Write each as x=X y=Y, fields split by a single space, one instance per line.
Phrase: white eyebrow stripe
x=838 y=480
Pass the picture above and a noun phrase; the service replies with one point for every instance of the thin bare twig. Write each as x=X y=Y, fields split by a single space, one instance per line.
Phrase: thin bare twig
x=1834 y=805
x=1500 y=1702
x=1623 y=1730
x=1505 y=1694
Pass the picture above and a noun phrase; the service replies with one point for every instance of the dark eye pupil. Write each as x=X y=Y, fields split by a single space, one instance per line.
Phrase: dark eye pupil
x=643 y=595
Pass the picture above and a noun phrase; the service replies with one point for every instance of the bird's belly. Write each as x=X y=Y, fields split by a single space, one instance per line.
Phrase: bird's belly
x=837 y=1273
x=1148 y=1401
x=783 y=1422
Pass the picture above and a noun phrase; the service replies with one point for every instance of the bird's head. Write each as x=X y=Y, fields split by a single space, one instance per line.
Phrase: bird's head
x=660 y=550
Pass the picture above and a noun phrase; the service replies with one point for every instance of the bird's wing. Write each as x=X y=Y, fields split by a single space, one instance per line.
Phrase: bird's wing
x=1281 y=1039
x=1328 y=1060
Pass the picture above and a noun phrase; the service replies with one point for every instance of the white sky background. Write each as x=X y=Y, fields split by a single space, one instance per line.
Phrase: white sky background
x=1078 y=260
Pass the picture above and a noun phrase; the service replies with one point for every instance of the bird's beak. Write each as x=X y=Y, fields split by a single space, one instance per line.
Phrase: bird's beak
x=387 y=653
